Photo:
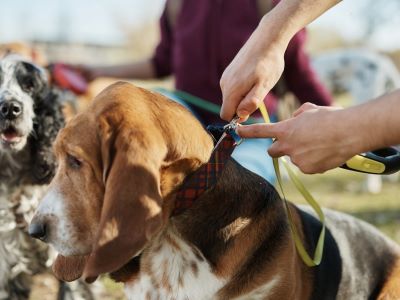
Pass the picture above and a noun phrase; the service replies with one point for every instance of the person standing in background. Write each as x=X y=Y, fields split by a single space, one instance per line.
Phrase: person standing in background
x=199 y=39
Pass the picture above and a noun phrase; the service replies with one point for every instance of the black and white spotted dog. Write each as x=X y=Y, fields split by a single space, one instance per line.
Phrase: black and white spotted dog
x=363 y=73
x=30 y=117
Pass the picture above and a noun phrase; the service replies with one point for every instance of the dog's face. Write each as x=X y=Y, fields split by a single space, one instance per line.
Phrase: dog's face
x=71 y=209
x=20 y=84
x=117 y=164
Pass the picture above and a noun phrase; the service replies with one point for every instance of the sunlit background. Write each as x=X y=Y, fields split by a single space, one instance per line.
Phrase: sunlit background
x=111 y=31
x=132 y=25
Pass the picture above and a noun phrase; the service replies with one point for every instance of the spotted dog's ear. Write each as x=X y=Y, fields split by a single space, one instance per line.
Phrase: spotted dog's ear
x=131 y=212
x=48 y=121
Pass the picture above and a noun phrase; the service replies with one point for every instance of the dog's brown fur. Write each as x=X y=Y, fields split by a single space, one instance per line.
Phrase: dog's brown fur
x=135 y=148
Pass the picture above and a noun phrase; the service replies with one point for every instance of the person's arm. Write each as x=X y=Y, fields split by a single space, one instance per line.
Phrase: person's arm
x=157 y=66
x=139 y=70
x=259 y=64
x=320 y=138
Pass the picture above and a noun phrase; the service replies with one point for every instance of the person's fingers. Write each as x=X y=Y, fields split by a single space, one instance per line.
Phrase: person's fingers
x=229 y=104
x=306 y=106
x=276 y=150
x=250 y=103
x=232 y=94
x=269 y=130
x=243 y=119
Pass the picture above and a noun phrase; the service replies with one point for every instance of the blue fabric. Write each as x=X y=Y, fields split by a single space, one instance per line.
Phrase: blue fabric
x=252 y=154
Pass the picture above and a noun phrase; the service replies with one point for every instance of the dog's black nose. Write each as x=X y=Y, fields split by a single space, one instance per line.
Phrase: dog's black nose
x=10 y=109
x=37 y=230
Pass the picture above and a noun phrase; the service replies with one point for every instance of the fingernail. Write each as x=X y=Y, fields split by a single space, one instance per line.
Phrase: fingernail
x=243 y=113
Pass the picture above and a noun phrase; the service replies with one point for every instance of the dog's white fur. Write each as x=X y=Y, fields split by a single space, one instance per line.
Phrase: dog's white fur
x=53 y=206
x=21 y=257
x=10 y=89
x=361 y=72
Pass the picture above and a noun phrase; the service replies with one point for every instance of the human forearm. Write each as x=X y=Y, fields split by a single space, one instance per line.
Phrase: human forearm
x=377 y=122
x=289 y=16
x=138 y=70
x=259 y=64
x=321 y=138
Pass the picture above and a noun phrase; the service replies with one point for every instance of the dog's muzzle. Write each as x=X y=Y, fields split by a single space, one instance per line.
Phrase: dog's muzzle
x=37 y=230
x=10 y=110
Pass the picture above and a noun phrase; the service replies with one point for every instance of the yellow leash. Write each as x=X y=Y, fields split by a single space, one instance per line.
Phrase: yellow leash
x=311 y=262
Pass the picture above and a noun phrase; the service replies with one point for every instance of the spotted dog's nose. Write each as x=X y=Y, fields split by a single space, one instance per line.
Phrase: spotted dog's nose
x=37 y=230
x=10 y=109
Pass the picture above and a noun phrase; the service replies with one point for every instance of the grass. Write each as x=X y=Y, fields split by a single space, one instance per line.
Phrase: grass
x=345 y=191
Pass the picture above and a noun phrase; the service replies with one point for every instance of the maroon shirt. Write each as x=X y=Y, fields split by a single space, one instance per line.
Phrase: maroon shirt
x=206 y=37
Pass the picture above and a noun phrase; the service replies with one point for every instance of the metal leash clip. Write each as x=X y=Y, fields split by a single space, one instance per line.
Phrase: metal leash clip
x=230 y=129
x=232 y=124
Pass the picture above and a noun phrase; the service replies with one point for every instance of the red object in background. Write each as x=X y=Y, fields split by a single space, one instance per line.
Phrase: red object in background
x=68 y=78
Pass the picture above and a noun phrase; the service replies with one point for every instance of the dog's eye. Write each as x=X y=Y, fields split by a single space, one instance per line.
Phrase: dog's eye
x=27 y=84
x=73 y=162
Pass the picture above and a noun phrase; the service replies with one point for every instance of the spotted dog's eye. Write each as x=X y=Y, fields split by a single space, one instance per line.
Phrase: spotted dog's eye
x=27 y=84
x=73 y=162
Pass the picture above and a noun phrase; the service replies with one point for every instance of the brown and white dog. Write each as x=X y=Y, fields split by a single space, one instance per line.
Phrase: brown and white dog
x=108 y=210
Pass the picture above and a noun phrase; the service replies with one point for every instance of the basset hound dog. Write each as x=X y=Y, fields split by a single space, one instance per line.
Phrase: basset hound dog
x=109 y=209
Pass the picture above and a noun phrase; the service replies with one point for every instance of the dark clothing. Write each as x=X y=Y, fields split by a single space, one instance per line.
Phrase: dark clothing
x=206 y=37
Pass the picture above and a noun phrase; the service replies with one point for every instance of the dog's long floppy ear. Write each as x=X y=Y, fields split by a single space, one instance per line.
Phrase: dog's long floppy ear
x=131 y=212
x=69 y=268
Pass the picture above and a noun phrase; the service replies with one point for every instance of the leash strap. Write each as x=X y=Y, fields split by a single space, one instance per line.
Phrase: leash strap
x=197 y=102
x=316 y=260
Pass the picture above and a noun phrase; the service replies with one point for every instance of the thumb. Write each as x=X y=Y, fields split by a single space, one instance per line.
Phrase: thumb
x=269 y=130
x=276 y=150
x=306 y=106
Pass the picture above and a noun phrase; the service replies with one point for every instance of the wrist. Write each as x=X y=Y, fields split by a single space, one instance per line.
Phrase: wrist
x=356 y=133
x=290 y=16
x=273 y=34
x=282 y=23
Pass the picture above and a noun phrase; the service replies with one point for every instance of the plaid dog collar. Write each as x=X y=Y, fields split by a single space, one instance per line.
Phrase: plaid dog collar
x=207 y=176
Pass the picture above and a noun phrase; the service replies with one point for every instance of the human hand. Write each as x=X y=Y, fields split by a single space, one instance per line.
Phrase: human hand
x=259 y=64
x=316 y=139
x=251 y=75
